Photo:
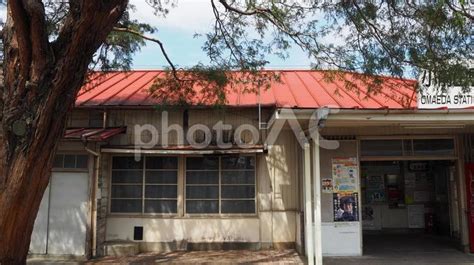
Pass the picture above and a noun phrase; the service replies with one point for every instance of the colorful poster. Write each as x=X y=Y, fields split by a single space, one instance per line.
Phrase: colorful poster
x=327 y=185
x=346 y=206
x=345 y=174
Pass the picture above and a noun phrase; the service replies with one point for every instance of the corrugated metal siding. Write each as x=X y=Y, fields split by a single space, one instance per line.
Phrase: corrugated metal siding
x=282 y=172
x=131 y=118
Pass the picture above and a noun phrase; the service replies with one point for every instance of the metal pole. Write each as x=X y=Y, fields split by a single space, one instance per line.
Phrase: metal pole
x=308 y=210
x=317 y=201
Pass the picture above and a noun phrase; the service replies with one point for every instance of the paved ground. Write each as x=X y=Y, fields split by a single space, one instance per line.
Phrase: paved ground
x=378 y=250
x=211 y=257
x=404 y=250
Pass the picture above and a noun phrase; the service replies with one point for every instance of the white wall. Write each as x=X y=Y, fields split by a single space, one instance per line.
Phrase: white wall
x=338 y=238
x=61 y=224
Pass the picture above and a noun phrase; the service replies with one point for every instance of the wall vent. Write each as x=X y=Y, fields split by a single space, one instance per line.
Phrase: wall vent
x=138 y=233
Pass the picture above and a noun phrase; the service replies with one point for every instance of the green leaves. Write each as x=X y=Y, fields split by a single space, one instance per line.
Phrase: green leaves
x=398 y=38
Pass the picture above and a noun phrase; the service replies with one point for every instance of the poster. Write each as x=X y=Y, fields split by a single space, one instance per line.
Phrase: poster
x=346 y=206
x=421 y=196
x=416 y=216
x=375 y=188
x=345 y=174
x=327 y=185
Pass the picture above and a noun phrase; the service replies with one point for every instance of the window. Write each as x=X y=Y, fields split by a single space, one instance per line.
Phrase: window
x=433 y=147
x=70 y=161
x=220 y=184
x=202 y=184
x=407 y=147
x=381 y=147
x=161 y=185
x=146 y=186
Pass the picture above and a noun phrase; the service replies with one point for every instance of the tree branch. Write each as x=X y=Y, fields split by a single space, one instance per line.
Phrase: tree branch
x=38 y=36
x=462 y=12
x=22 y=31
x=157 y=41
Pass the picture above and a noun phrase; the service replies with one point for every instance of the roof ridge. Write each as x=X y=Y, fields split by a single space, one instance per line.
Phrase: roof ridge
x=277 y=70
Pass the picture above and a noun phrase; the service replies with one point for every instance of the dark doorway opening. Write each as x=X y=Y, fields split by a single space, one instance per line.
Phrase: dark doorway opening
x=409 y=206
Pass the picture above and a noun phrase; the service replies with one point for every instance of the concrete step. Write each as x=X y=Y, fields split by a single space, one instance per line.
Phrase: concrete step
x=121 y=249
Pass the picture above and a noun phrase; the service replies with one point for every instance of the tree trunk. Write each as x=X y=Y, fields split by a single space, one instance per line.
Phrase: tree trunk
x=41 y=81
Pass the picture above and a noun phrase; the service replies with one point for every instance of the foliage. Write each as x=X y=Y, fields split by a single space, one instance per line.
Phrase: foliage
x=379 y=37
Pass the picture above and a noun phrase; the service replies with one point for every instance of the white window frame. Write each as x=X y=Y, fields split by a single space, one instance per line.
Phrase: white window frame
x=220 y=214
x=143 y=184
x=75 y=169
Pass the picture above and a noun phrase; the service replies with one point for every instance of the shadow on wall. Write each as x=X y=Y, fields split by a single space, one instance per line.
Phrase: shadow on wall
x=60 y=227
x=67 y=233
x=278 y=187
x=191 y=230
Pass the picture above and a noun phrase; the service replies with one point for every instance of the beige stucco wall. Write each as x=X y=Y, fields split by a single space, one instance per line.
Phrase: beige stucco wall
x=186 y=229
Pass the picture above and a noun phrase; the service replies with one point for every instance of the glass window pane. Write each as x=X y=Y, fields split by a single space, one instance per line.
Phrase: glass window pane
x=238 y=206
x=126 y=162
x=201 y=163
x=69 y=161
x=126 y=206
x=158 y=191
x=202 y=177
x=238 y=162
x=238 y=192
x=58 y=161
x=161 y=206
x=407 y=148
x=202 y=206
x=433 y=147
x=161 y=162
x=126 y=191
x=238 y=177
x=129 y=176
x=381 y=148
x=202 y=192
x=81 y=161
x=161 y=177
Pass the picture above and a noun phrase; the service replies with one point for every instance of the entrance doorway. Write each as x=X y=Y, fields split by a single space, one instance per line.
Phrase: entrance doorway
x=409 y=206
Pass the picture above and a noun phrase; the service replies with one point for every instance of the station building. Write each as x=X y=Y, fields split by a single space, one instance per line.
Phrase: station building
x=362 y=167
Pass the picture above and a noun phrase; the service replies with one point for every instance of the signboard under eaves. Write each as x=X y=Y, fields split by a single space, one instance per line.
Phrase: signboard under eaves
x=431 y=96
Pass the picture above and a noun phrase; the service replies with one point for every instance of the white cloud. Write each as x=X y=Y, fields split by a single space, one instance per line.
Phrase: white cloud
x=188 y=15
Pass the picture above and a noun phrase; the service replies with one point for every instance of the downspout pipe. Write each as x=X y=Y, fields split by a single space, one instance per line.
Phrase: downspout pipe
x=308 y=206
x=95 y=181
x=95 y=188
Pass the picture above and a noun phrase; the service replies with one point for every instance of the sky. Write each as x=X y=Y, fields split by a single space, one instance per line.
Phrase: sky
x=177 y=32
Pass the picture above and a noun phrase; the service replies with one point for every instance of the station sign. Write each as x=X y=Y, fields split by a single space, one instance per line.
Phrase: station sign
x=432 y=96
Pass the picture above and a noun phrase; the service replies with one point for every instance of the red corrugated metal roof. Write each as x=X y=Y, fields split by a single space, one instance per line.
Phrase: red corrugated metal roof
x=297 y=89
x=93 y=134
